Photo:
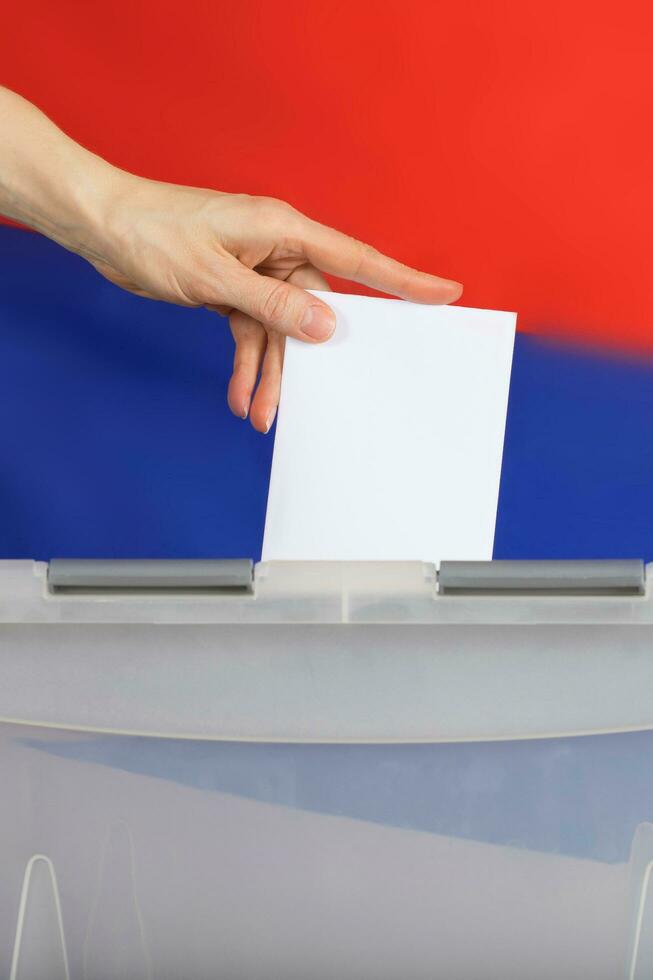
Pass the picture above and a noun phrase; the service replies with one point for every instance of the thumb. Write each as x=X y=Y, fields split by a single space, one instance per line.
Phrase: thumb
x=282 y=307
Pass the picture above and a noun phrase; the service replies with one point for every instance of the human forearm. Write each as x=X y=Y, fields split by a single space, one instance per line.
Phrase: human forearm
x=49 y=182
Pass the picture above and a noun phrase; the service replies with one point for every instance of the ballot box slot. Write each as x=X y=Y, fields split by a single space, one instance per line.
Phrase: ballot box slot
x=545 y=577
x=150 y=576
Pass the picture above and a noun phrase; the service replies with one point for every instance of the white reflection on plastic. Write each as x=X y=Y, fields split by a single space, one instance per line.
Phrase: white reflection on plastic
x=40 y=946
x=640 y=966
x=115 y=942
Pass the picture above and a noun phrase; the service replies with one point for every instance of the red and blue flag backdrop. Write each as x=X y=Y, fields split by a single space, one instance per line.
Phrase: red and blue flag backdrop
x=505 y=144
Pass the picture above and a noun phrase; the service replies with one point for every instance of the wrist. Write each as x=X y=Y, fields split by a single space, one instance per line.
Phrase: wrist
x=67 y=200
x=71 y=202
x=86 y=225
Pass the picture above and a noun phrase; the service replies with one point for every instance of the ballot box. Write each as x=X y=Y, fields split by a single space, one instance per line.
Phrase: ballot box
x=311 y=771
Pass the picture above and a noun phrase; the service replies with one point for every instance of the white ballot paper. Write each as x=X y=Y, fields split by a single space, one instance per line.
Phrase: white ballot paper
x=390 y=436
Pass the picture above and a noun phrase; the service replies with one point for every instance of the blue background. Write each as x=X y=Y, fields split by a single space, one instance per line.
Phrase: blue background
x=116 y=441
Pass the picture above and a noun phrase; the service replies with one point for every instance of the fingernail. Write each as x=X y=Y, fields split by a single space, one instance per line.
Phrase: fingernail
x=270 y=420
x=245 y=411
x=319 y=322
x=456 y=287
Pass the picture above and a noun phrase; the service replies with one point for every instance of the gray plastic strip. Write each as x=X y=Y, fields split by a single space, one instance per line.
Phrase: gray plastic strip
x=572 y=577
x=67 y=574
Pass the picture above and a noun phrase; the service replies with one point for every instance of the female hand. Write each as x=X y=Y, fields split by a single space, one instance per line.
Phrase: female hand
x=250 y=258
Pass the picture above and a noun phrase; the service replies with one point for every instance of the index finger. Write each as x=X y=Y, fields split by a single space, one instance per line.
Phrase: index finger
x=343 y=256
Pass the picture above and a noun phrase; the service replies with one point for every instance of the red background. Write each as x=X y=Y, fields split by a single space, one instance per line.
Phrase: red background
x=505 y=144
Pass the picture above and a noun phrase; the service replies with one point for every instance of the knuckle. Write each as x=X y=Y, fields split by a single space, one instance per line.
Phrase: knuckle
x=268 y=208
x=273 y=363
x=275 y=305
x=239 y=198
x=363 y=253
x=273 y=213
